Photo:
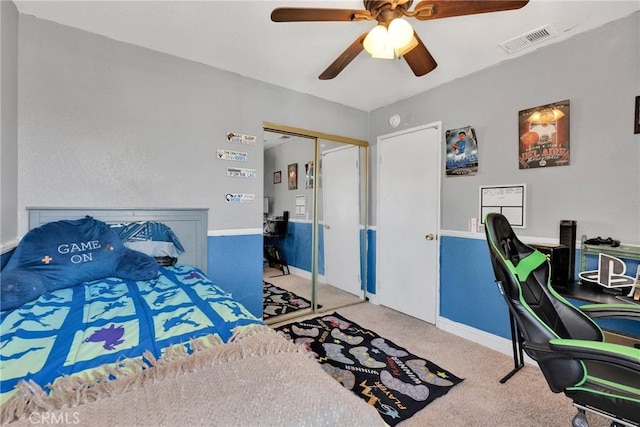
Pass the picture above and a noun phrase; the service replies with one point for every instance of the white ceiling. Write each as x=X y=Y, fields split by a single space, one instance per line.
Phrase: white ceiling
x=239 y=36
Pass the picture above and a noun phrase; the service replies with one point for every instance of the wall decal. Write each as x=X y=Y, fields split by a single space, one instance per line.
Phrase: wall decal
x=238 y=156
x=238 y=138
x=242 y=172
x=239 y=198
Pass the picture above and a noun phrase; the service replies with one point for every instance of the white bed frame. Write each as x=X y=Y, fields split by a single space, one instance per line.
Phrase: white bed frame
x=190 y=225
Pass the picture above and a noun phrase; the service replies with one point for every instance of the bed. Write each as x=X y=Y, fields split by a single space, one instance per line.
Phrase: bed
x=128 y=349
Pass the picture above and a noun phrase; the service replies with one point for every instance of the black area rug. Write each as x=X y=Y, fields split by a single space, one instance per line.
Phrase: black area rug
x=277 y=301
x=398 y=384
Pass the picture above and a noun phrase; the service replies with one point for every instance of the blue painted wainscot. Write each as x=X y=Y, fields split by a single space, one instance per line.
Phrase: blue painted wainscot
x=235 y=264
x=469 y=295
x=468 y=292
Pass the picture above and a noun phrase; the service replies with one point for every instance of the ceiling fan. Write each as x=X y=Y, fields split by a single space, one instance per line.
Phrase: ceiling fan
x=393 y=37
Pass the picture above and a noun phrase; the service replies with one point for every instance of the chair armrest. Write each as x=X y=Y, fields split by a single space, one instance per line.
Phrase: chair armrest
x=621 y=311
x=539 y=352
x=614 y=354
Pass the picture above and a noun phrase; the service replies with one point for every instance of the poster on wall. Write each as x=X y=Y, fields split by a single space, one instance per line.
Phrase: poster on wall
x=292 y=172
x=462 y=151
x=308 y=174
x=544 y=135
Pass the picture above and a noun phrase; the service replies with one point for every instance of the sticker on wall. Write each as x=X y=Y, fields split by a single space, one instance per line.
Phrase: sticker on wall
x=239 y=198
x=544 y=136
x=462 y=151
x=238 y=138
x=238 y=156
x=242 y=172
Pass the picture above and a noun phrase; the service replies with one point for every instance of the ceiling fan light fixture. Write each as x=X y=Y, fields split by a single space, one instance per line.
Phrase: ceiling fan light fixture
x=391 y=42
x=377 y=43
x=400 y=33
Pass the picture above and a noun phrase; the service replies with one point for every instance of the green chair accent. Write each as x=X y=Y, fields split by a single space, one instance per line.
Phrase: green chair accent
x=565 y=341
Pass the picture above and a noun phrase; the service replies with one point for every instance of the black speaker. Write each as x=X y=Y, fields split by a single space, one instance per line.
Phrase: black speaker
x=568 y=239
x=559 y=258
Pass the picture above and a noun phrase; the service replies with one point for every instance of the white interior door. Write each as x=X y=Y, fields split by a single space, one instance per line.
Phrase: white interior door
x=341 y=218
x=408 y=221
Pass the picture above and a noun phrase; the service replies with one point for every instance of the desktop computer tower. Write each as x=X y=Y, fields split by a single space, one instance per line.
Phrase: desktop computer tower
x=559 y=259
x=568 y=239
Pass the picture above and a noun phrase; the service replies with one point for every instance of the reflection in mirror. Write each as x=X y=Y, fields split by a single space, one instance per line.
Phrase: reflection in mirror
x=288 y=225
x=339 y=224
x=310 y=262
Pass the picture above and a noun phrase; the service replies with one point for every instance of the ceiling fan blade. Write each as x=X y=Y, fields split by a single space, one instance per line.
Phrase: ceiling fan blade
x=419 y=59
x=344 y=59
x=301 y=14
x=436 y=9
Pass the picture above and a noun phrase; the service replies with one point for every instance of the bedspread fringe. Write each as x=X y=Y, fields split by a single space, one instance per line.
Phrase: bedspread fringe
x=70 y=391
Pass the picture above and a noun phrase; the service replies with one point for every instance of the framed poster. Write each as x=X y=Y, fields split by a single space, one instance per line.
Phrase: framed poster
x=544 y=136
x=292 y=171
x=636 y=125
x=462 y=151
x=508 y=200
x=277 y=177
x=308 y=172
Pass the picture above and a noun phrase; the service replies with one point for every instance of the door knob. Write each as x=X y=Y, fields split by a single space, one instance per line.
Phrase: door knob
x=430 y=236
x=327 y=227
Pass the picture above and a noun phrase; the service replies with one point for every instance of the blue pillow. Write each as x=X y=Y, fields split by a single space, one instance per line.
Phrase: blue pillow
x=66 y=253
x=150 y=237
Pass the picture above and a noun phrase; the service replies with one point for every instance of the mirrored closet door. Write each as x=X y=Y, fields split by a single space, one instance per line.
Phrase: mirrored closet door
x=317 y=184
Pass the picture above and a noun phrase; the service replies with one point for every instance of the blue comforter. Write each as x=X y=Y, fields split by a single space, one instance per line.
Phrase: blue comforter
x=79 y=329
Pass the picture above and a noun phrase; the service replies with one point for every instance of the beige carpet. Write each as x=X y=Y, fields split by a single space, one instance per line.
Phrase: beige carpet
x=480 y=400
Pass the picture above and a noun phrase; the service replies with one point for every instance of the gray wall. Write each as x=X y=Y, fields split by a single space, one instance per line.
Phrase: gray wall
x=103 y=123
x=599 y=73
x=8 y=122
x=300 y=151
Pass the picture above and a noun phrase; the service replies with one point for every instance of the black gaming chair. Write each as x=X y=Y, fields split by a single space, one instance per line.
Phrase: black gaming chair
x=565 y=342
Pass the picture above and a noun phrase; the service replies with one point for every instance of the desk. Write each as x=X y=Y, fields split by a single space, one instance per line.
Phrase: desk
x=591 y=294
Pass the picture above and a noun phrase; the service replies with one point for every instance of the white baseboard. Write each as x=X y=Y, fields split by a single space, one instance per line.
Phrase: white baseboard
x=305 y=274
x=494 y=342
x=372 y=298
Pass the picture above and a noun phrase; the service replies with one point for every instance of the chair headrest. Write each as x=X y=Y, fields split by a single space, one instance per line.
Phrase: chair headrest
x=502 y=235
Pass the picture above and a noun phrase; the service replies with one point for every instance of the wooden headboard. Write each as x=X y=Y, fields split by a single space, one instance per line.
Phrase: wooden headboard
x=190 y=225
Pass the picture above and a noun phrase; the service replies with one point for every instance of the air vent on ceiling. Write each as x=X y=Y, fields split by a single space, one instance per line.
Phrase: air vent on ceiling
x=529 y=39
